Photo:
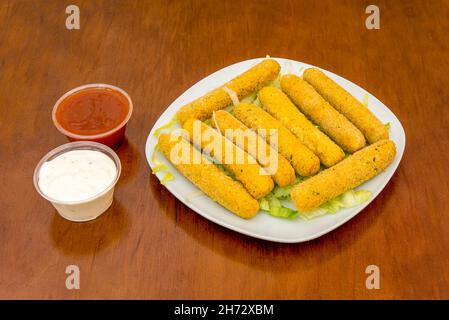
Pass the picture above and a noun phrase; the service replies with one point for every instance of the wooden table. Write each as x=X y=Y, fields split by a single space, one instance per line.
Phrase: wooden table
x=149 y=245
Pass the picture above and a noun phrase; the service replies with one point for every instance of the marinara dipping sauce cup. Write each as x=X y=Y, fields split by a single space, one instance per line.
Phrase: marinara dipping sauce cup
x=94 y=112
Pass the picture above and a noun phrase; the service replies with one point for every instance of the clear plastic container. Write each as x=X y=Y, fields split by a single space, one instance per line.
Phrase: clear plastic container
x=92 y=207
x=112 y=138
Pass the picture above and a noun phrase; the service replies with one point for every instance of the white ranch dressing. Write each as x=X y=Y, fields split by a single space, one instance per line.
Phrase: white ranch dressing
x=77 y=175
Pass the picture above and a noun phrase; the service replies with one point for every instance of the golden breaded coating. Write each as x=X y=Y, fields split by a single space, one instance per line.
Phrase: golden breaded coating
x=345 y=175
x=237 y=161
x=244 y=84
x=305 y=162
x=255 y=78
x=346 y=104
x=211 y=180
x=276 y=103
x=230 y=127
x=333 y=123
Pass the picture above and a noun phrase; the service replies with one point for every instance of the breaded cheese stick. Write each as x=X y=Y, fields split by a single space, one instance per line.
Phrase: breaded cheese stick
x=345 y=175
x=333 y=123
x=249 y=81
x=230 y=127
x=346 y=104
x=304 y=161
x=237 y=161
x=211 y=180
x=276 y=103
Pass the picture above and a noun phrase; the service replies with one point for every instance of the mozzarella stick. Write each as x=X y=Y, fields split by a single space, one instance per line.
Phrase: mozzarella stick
x=345 y=175
x=246 y=83
x=209 y=179
x=333 y=123
x=304 y=161
x=346 y=104
x=276 y=103
x=275 y=164
x=245 y=168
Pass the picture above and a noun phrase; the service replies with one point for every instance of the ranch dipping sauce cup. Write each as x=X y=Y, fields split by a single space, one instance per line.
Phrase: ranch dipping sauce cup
x=78 y=178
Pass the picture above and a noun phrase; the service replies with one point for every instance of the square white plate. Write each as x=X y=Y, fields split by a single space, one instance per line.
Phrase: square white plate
x=264 y=226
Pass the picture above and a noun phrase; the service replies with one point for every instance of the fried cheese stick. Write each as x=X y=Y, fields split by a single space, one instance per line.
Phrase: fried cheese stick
x=242 y=136
x=345 y=103
x=304 y=161
x=211 y=180
x=333 y=123
x=276 y=103
x=249 y=81
x=237 y=161
x=345 y=175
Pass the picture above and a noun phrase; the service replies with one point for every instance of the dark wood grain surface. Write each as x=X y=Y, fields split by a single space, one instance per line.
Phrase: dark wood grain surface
x=149 y=245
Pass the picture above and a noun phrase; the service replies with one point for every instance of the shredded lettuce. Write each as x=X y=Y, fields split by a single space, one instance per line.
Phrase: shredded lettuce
x=388 y=125
x=229 y=108
x=197 y=193
x=159 y=167
x=288 y=67
x=283 y=212
x=257 y=103
x=313 y=214
x=272 y=202
x=168 y=125
x=264 y=204
x=250 y=98
x=365 y=99
x=348 y=199
x=232 y=94
x=332 y=206
x=275 y=83
x=273 y=206
x=354 y=198
x=153 y=155
x=167 y=177
x=284 y=192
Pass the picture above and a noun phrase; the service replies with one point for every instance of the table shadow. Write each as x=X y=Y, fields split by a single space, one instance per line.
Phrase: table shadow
x=266 y=255
x=130 y=159
x=85 y=238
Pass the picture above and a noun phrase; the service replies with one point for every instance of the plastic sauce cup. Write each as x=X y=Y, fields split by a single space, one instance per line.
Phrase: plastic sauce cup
x=88 y=209
x=112 y=137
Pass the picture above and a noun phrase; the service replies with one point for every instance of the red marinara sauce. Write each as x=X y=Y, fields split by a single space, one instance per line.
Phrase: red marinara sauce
x=94 y=113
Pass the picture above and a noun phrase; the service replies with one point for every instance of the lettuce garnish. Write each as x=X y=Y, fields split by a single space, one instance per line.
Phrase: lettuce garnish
x=250 y=98
x=273 y=206
x=272 y=202
x=348 y=199
x=168 y=125
x=365 y=99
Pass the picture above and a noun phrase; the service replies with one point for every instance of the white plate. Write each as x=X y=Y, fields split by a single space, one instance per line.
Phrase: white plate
x=264 y=226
